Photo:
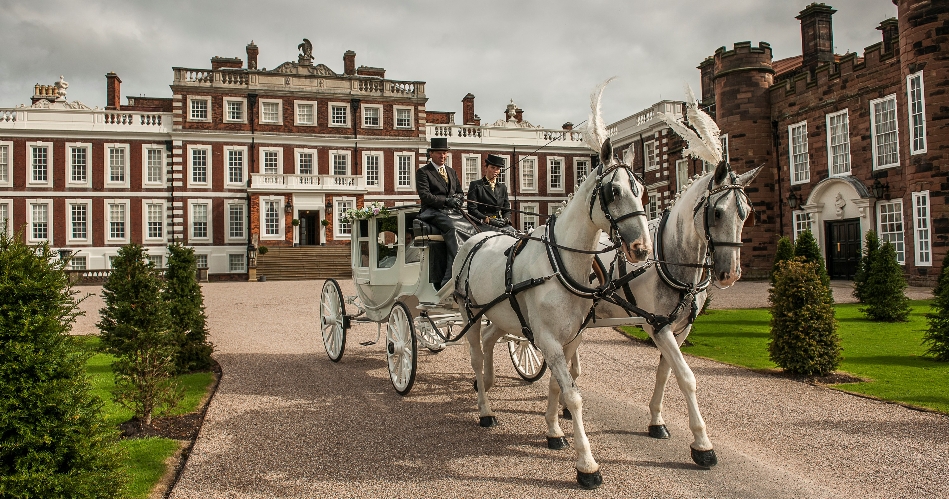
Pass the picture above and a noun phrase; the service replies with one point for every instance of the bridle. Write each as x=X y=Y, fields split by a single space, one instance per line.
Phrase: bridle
x=607 y=194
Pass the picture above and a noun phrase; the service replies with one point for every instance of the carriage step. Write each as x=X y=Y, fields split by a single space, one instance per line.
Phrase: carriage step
x=367 y=343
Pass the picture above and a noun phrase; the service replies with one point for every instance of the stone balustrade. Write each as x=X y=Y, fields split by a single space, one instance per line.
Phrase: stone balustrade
x=263 y=80
x=27 y=118
x=501 y=135
x=643 y=119
x=293 y=182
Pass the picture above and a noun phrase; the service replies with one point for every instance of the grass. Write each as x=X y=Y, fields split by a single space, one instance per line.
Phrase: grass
x=144 y=457
x=888 y=355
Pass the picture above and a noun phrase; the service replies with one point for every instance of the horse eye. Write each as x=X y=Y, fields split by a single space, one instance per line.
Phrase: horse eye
x=718 y=213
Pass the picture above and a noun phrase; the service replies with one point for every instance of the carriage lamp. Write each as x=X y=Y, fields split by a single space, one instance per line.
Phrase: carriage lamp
x=329 y=207
x=289 y=206
x=251 y=255
x=793 y=200
x=880 y=189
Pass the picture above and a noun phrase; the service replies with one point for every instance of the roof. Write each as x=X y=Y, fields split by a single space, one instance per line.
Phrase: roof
x=787 y=65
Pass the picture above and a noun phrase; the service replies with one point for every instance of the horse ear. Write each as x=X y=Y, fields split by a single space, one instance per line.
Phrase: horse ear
x=746 y=178
x=720 y=171
x=606 y=152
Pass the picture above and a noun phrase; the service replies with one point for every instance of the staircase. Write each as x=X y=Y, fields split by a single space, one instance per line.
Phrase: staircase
x=305 y=263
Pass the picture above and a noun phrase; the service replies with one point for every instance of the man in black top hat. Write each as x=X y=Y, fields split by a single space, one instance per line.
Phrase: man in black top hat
x=440 y=193
x=488 y=203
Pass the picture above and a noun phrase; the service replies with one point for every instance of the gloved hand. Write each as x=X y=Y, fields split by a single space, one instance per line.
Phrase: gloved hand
x=497 y=222
x=451 y=202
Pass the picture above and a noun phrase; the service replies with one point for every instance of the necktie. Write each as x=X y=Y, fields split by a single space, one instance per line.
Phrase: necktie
x=443 y=173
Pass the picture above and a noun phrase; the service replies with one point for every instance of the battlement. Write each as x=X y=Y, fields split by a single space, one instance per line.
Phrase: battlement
x=740 y=48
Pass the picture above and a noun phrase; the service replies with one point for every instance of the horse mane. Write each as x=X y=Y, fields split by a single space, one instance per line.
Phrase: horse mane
x=685 y=188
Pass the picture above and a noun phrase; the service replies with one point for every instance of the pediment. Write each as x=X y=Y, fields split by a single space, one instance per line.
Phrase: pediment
x=290 y=67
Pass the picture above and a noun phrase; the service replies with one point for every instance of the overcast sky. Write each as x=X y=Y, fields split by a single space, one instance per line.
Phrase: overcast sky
x=546 y=55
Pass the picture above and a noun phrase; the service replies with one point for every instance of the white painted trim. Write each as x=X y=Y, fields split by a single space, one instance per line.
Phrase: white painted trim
x=107 y=165
x=210 y=228
x=189 y=113
x=164 y=221
x=922 y=224
x=524 y=218
x=395 y=117
x=338 y=212
x=50 y=218
x=8 y=144
x=873 y=135
x=296 y=112
x=9 y=221
x=279 y=103
x=281 y=219
x=263 y=164
x=576 y=167
x=655 y=148
x=879 y=224
x=297 y=151
x=349 y=161
x=563 y=173
x=329 y=114
x=226 y=114
x=70 y=183
x=226 y=159
x=30 y=147
x=190 y=181
x=830 y=151
x=807 y=152
x=69 y=222
x=909 y=113
x=413 y=167
x=465 y=182
x=127 y=219
x=381 y=117
x=521 y=169
x=227 y=221
x=382 y=170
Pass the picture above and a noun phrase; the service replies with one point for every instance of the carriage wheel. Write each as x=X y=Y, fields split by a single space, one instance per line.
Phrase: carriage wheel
x=402 y=348
x=332 y=320
x=528 y=360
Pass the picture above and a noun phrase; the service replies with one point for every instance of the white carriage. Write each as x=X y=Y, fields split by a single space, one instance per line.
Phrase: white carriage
x=395 y=258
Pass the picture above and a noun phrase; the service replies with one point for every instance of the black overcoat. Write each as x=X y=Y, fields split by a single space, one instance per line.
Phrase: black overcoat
x=492 y=203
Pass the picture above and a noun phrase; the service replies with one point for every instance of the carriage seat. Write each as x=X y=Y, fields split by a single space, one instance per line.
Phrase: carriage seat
x=423 y=232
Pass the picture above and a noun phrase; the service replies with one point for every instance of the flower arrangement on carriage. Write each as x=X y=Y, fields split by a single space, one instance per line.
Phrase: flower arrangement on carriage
x=368 y=211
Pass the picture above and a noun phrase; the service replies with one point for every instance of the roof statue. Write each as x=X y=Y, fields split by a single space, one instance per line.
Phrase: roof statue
x=306 y=51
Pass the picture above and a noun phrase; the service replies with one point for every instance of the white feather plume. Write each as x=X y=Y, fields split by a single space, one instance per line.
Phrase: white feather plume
x=704 y=142
x=594 y=133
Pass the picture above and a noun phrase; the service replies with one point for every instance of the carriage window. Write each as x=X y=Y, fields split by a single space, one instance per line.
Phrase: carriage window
x=362 y=235
x=412 y=254
x=387 y=242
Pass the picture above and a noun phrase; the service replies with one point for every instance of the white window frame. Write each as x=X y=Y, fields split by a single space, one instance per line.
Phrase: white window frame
x=466 y=173
x=806 y=173
x=6 y=174
x=917 y=141
x=279 y=103
x=227 y=222
x=296 y=112
x=163 y=167
x=395 y=117
x=831 y=156
x=75 y=260
x=107 y=165
x=108 y=221
x=70 y=183
x=723 y=139
x=651 y=158
x=521 y=170
x=243 y=269
x=329 y=114
x=922 y=229
x=227 y=109
x=332 y=162
x=682 y=174
x=263 y=151
x=69 y=221
x=413 y=166
x=207 y=260
x=653 y=205
x=281 y=218
x=873 y=134
x=525 y=218
x=191 y=212
x=884 y=236
x=164 y=221
x=30 y=148
x=799 y=218
x=9 y=226
x=550 y=176
x=50 y=217
x=576 y=169
x=365 y=169
x=191 y=183
x=381 y=116
x=226 y=159
x=339 y=209
x=156 y=256
x=207 y=100
x=297 y=151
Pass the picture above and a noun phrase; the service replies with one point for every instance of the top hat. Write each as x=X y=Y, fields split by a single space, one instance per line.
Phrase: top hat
x=495 y=160
x=439 y=144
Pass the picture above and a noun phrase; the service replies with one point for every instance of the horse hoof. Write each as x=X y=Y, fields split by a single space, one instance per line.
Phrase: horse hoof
x=704 y=458
x=566 y=413
x=557 y=443
x=589 y=481
x=488 y=421
x=659 y=431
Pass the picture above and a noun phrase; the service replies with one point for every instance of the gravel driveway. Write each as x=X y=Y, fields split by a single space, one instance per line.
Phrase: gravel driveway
x=287 y=422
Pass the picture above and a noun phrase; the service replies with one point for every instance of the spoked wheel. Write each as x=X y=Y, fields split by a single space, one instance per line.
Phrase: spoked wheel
x=528 y=360
x=333 y=320
x=402 y=348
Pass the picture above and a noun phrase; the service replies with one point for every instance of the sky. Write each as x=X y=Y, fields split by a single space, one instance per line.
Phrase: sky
x=545 y=55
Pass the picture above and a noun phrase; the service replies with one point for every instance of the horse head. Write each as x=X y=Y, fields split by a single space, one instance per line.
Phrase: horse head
x=621 y=213
x=721 y=215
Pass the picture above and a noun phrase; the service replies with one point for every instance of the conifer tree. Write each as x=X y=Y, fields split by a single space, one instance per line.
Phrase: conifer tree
x=870 y=249
x=804 y=337
x=54 y=441
x=186 y=306
x=937 y=336
x=784 y=252
x=807 y=247
x=884 y=293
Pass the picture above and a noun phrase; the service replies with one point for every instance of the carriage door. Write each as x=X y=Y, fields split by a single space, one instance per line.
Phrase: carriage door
x=843 y=248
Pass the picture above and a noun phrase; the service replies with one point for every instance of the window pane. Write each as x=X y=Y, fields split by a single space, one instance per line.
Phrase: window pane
x=371 y=116
x=884 y=132
x=271 y=164
x=556 y=174
x=305 y=114
x=155 y=220
x=339 y=115
x=116 y=164
x=800 y=169
x=372 y=170
x=235 y=110
x=235 y=262
x=306 y=163
x=199 y=166
x=199 y=109
x=891 y=227
x=154 y=166
x=4 y=164
x=343 y=226
x=40 y=164
x=77 y=164
x=340 y=164
x=235 y=221
x=235 y=166
x=471 y=170
x=270 y=112
x=117 y=221
x=403 y=118
x=77 y=263
x=923 y=242
x=40 y=221
x=528 y=174
x=201 y=261
x=199 y=221
x=271 y=218
x=79 y=216
x=405 y=171
x=917 y=113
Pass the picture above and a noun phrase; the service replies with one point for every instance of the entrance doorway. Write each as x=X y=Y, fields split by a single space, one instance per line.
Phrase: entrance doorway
x=310 y=228
x=843 y=248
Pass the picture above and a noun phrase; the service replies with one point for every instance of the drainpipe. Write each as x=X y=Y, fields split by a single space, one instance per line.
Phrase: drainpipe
x=777 y=161
x=252 y=114
x=354 y=104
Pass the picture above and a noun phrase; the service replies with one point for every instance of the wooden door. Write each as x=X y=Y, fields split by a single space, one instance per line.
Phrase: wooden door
x=843 y=248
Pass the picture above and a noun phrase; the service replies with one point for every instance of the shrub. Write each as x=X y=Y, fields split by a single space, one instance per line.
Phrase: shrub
x=937 y=336
x=54 y=440
x=136 y=327
x=807 y=248
x=884 y=291
x=186 y=307
x=784 y=252
x=871 y=247
x=804 y=337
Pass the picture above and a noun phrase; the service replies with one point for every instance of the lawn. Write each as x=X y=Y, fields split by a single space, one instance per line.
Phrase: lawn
x=888 y=355
x=145 y=457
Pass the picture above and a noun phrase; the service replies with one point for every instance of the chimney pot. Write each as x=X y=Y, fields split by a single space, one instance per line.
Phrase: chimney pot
x=252 y=52
x=817 y=35
x=349 y=63
x=113 y=97
x=468 y=116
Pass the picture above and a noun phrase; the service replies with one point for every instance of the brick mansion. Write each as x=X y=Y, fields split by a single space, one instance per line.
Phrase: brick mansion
x=240 y=156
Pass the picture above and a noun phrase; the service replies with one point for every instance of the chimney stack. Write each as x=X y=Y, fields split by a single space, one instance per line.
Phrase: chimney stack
x=349 y=63
x=113 y=97
x=468 y=110
x=707 y=70
x=817 y=35
x=252 y=55
x=891 y=33
x=519 y=115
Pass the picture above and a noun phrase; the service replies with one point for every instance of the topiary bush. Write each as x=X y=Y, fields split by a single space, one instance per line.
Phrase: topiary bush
x=871 y=247
x=807 y=248
x=186 y=306
x=937 y=336
x=54 y=441
x=883 y=293
x=804 y=337
x=784 y=253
